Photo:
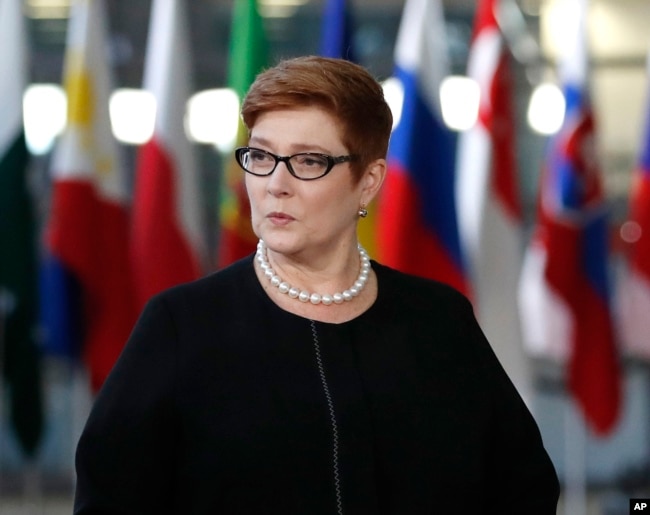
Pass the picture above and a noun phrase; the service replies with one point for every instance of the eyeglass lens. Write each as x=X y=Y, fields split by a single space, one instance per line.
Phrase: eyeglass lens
x=304 y=165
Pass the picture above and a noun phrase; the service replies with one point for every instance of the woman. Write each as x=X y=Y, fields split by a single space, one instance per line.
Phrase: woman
x=307 y=379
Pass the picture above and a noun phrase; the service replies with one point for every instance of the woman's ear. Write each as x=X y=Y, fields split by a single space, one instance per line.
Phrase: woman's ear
x=372 y=180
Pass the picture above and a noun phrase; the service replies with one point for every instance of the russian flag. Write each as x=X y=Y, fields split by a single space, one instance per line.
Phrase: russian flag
x=417 y=226
x=565 y=292
x=167 y=245
x=634 y=294
x=87 y=232
x=489 y=207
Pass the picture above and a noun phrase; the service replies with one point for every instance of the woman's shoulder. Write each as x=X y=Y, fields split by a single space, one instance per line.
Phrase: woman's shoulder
x=224 y=286
x=415 y=289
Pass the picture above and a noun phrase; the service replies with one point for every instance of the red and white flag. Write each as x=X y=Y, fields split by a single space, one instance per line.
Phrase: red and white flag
x=489 y=210
x=167 y=246
x=87 y=232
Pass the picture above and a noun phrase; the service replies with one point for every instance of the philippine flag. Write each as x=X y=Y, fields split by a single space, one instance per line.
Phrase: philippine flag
x=634 y=290
x=417 y=229
x=167 y=245
x=87 y=233
x=565 y=292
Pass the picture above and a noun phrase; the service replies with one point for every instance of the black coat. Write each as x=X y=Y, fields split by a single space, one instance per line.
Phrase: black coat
x=222 y=403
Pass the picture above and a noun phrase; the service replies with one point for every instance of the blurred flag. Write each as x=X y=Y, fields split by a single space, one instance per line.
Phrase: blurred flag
x=337 y=30
x=87 y=233
x=18 y=288
x=489 y=210
x=417 y=227
x=248 y=55
x=166 y=238
x=336 y=41
x=564 y=293
x=634 y=290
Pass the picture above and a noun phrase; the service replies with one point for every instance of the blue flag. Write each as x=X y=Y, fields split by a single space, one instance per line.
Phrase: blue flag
x=337 y=29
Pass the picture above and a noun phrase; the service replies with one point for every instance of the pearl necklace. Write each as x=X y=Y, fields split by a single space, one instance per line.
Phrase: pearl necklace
x=314 y=298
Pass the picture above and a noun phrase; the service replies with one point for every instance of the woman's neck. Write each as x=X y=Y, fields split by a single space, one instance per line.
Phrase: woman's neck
x=322 y=284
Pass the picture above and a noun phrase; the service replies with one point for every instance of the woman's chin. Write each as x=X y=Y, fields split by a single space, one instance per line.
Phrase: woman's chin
x=279 y=241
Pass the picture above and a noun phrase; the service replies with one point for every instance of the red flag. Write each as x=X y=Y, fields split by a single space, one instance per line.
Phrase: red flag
x=565 y=294
x=489 y=210
x=166 y=241
x=88 y=228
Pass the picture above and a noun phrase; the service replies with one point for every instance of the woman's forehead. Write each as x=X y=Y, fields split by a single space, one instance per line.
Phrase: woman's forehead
x=302 y=128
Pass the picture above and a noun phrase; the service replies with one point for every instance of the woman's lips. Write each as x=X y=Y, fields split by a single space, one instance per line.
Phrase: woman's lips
x=278 y=218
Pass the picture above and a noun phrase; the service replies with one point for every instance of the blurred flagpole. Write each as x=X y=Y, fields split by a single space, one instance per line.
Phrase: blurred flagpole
x=488 y=198
x=417 y=229
x=167 y=246
x=248 y=55
x=634 y=287
x=5 y=307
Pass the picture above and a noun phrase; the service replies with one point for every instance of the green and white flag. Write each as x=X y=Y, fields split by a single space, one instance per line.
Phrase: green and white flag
x=18 y=278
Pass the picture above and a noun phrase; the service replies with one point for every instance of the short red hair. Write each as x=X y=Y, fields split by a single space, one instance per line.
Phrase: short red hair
x=342 y=88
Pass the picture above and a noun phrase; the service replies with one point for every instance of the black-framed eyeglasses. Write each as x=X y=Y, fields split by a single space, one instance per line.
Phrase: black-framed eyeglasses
x=305 y=166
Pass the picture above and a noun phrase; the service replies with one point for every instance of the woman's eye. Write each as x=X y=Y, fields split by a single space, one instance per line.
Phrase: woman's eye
x=259 y=156
x=312 y=161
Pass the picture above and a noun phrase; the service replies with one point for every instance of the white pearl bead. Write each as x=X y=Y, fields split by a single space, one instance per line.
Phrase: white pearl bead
x=315 y=298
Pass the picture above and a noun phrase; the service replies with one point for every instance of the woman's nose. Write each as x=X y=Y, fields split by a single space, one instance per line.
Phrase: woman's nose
x=280 y=182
